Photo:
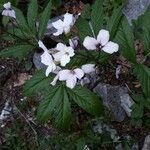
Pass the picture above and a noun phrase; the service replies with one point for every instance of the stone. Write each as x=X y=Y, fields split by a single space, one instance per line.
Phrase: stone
x=116 y=99
x=146 y=145
x=37 y=61
x=134 y=8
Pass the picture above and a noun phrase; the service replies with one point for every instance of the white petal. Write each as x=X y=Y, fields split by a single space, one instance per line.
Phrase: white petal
x=48 y=70
x=57 y=56
x=12 y=14
x=79 y=73
x=46 y=58
x=110 y=47
x=67 y=29
x=7 y=5
x=5 y=12
x=70 y=51
x=68 y=19
x=61 y=47
x=88 y=68
x=90 y=43
x=54 y=80
x=65 y=59
x=59 y=32
x=56 y=70
x=103 y=37
x=64 y=74
x=71 y=82
x=73 y=42
x=58 y=24
x=41 y=45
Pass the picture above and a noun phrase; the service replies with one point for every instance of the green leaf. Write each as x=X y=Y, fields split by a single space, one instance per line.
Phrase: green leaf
x=21 y=21
x=44 y=20
x=144 y=22
x=32 y=15
x=114 y=22
x=125 y=39
x=137 y=111
x=143 y=74
x=86 y=13
x=83 y=28
x=63 y=113
x=97 y=16
x=17 y=51
x=87 y=100
x=37 y=83
x=56 y=105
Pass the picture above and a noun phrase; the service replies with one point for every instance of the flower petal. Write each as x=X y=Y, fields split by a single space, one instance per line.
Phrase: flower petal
x=46 y=58
x=7 y=5
x=79 y=73
x=64 y=60
x=70 y=51
x=57 y=56
x=64 y=74
x=41 y=45
x=58 y=24
x=103 y=37
x=110 y=47
x=71 y=82
x=67 y=29
x=12 y=13
x=61 y=47
x=59 y=32
x=90 y=43
x=88 y=68
x=54 y=80
x=48 y=70
x=68 y=19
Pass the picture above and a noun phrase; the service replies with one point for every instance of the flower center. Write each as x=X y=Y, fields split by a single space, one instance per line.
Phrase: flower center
x=99 y=46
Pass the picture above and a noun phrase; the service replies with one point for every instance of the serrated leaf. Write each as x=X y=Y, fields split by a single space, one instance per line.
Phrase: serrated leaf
x=17 y=51
x=125 y=39
x=63 y=111
x=137 y=111
x=44 y=20
x=32 y=15
x=37 y=83
x=86 y=13
x=97 y=16
x=87 y=100
x=144 y=22
x=21 y=21
x=56 y=105
x=143 y=74
x=114 y=22
x=83 y=28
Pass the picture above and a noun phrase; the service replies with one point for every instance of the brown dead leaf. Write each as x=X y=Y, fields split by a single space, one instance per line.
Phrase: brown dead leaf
x=22 y=77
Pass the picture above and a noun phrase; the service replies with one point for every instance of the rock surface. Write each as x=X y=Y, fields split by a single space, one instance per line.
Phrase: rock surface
x=134 y=8
x=146 y=145
x=116 y=99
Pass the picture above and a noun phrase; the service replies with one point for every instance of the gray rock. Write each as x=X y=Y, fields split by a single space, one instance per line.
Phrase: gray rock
x=37 y=61
x=102 y=128
x=116 y=99
x=134 y=8
x=146 y=145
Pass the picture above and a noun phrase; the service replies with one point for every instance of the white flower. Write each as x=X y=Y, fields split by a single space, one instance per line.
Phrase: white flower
x=65 y=25
x=70 y=76
x=64 y=53
x=46 y=59
x=8 y=11
x=88 y=68
x=73 y=42
x=101 y=42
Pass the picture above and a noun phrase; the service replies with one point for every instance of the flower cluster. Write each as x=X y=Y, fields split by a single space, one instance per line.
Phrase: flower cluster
x=60 y=56
x=8 y=11
x=62 y=53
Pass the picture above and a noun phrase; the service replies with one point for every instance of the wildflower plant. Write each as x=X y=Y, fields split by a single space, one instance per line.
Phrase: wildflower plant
x=67 y=65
